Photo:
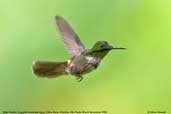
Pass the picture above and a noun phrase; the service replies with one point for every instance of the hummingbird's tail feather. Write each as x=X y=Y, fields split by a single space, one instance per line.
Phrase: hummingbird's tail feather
x=49 y=69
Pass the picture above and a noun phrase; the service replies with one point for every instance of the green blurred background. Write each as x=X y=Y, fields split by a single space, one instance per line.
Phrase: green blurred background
x=133 y=81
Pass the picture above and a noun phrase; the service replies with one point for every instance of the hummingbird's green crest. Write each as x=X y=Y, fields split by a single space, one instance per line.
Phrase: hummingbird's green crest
x=82 y=60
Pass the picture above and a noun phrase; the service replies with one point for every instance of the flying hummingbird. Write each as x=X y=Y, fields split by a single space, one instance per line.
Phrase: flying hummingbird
x=82 y=60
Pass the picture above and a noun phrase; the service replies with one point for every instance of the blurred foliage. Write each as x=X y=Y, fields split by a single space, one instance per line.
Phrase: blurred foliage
x=133 y=81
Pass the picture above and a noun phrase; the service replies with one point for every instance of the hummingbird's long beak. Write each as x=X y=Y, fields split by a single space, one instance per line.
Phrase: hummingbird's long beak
x=117 y=47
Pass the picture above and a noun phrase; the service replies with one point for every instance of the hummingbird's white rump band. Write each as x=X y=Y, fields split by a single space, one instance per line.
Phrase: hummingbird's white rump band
x=67 y=69
x=68 y=61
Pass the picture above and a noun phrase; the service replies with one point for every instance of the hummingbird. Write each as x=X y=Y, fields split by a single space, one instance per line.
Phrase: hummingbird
x=82 y=60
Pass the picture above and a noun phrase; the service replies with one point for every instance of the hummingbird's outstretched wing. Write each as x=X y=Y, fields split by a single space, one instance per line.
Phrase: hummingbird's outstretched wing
x=69 y=37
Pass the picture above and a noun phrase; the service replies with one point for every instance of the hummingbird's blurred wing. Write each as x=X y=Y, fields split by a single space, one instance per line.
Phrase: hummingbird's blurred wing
x=69 y=37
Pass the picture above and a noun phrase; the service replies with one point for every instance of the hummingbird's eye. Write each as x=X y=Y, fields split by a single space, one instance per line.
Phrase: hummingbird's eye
x=102 y=46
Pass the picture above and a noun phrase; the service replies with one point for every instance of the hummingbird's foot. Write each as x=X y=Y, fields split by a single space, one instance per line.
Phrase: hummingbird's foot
x=79 y=78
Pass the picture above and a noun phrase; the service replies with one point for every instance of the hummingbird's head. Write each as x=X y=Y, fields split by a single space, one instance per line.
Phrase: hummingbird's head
x=104 y=46
x=101 y=48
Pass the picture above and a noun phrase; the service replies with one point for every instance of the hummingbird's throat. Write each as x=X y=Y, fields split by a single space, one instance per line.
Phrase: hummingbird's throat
x=101 y=53
x=102 y=50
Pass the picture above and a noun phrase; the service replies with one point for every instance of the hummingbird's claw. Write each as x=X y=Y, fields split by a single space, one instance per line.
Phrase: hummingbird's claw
x=79 y=78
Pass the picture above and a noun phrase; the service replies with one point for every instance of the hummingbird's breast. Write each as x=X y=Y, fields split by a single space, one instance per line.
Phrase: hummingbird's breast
x=82 y=65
